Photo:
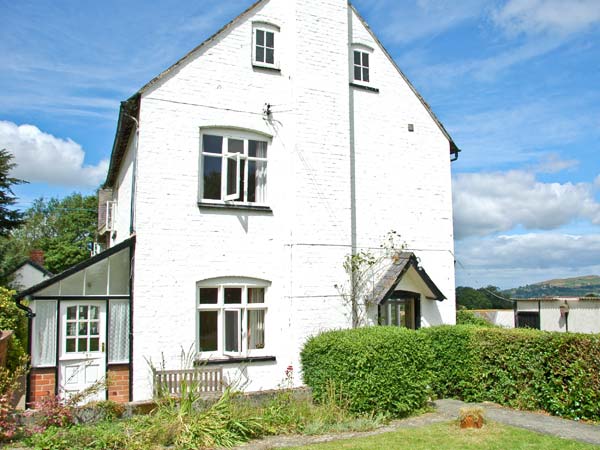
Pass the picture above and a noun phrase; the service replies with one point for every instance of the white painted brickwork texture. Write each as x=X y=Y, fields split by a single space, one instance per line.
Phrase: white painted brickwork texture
x=402 y=183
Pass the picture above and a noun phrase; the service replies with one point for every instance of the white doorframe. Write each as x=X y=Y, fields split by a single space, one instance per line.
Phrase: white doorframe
x=82 y=356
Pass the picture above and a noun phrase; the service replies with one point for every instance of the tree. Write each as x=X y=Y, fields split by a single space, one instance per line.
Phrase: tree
x=488 y=297
x=10 y=218
x=61 y=228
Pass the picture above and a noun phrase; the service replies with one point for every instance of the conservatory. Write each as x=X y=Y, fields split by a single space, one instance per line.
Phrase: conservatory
x=80 y=329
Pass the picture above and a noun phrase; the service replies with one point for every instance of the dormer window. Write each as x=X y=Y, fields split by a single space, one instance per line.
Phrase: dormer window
x=361 y=66
x=265 y=37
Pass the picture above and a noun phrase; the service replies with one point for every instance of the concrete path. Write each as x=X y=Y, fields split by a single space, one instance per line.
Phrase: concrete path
x=541 y=423
x=446 y=410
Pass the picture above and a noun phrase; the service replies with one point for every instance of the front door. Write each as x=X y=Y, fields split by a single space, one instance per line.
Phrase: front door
x=82 y=348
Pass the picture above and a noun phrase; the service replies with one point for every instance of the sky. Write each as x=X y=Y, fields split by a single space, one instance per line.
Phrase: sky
x=515 y=82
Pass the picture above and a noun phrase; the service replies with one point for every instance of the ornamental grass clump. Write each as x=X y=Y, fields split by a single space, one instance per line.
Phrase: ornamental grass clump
x=471 y=417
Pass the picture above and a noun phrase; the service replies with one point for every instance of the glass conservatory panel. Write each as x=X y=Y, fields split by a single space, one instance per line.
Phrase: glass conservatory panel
x=72 y=285
x=50 y=290
x=96 y=278
x=118 y=331
x=119 y=273
x=44 y=334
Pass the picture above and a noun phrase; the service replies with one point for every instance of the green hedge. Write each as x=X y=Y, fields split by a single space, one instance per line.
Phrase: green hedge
x=372 y=369
x=394 y=370
x=12 y=318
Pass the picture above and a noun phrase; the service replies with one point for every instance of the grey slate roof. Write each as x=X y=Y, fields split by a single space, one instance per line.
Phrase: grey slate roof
x=390 y=279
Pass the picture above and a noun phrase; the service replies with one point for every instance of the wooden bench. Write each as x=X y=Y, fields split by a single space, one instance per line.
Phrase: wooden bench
x=202 y=380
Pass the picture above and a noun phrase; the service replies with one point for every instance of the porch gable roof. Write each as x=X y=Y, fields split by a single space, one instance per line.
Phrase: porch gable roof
x=402 y=263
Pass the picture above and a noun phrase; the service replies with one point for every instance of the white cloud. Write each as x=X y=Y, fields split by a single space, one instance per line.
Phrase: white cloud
x=553 y=163
x=532 y=251
x=597 y=182
x=44 y=158
x=410 y=21
x=487 y=203
x=547 y=16
x=512 y=261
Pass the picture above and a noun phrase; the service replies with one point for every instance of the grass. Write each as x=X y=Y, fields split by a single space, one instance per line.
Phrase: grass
x=492 y=436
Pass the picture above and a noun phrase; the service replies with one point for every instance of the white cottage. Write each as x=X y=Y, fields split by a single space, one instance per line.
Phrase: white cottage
x=240 y=179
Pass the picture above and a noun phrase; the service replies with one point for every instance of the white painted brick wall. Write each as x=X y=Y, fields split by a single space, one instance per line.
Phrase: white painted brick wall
x=403 y=183
x=122 y=195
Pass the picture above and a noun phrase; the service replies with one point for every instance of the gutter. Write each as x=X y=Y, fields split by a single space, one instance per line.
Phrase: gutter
x=28 y=312
x=454 y=151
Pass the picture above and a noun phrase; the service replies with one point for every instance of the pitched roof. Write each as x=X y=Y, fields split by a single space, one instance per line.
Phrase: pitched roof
x=130 y=108
x=386 y=286
x=34 y=265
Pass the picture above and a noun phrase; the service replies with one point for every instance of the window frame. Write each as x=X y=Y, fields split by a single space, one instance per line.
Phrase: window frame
x=242 y=309
x=265 y=27
x=225 y=156
x=363 y=50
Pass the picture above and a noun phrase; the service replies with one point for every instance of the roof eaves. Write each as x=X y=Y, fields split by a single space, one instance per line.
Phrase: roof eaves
x=39 y=267
x=453 y=147
x=77 y=267
x=129 y=109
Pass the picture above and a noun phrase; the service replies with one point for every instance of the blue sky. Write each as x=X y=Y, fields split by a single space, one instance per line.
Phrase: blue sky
x=515 y=82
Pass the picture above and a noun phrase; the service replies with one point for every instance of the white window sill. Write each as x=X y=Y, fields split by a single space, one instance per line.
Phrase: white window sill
x=235 y=206
x=363 y=86
x=233 y=360
x=263 y=66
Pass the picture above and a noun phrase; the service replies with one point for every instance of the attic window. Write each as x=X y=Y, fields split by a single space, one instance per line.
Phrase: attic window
x=264 y=39
x=361 y=66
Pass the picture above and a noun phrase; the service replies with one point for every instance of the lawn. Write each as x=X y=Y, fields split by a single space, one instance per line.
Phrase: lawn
x=450 y=436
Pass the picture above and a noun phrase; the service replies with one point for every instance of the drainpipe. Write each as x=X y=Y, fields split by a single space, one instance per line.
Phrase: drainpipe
x=28 y=312
x=353 y=238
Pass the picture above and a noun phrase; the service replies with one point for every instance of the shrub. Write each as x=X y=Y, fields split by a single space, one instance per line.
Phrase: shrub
x=527 y=369
x=12 y=318
x=455 y=361
x=9 y=384
x=378 y=369
x=393 y=370
x=466 y=317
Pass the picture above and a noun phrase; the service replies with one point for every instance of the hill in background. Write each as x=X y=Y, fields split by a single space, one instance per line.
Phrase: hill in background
x=566 y=287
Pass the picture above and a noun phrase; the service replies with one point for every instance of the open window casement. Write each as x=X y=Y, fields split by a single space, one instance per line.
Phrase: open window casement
x=232 y=332
x=232 y=188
